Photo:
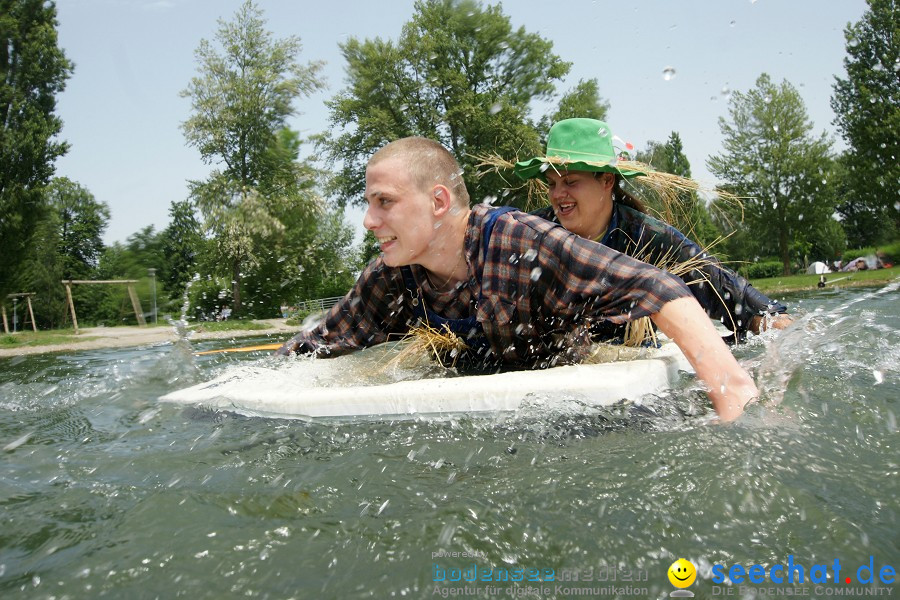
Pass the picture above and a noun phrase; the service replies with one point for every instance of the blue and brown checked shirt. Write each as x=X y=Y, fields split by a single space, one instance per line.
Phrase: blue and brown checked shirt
x=534 y=292
x=723 y=294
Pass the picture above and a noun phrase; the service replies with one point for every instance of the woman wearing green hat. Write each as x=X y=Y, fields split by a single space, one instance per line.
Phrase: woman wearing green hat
x=584 y=174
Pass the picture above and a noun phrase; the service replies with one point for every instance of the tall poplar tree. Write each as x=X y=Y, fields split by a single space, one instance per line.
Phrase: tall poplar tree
x=241 y=99
x=33 y=70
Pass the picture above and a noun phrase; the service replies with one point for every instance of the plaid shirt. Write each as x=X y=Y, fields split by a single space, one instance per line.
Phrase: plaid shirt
x=535 y=291
x=722 y=293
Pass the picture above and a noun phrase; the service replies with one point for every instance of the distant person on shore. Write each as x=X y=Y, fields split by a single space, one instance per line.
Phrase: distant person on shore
x=859 y=264
x=585 y=173
x=519 y=290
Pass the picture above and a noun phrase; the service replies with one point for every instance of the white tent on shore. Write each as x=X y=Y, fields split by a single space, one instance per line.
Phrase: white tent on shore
x=817 y=268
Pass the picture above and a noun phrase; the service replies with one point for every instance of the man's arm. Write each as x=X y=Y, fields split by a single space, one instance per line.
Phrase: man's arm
x=364 y=317
x=730 y=387
x=723 y=294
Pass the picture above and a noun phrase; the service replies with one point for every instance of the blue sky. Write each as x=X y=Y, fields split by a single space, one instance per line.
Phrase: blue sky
x=122 y=112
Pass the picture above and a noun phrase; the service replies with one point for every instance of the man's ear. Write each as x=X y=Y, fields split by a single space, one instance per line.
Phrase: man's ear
x=442 y=200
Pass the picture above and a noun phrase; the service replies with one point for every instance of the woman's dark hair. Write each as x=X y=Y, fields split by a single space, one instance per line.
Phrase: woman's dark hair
x=622 y=196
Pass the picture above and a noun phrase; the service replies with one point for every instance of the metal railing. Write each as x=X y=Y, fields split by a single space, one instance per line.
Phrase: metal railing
x=318 y=304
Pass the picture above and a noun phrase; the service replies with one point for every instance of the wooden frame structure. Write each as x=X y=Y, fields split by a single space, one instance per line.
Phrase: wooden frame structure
x=27 y=296
x=135 y=303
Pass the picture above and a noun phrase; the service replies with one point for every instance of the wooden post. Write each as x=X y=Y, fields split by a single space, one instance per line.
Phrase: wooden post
x=136 y=305
x=5 y=324
x=71 y=304
x=31 y=312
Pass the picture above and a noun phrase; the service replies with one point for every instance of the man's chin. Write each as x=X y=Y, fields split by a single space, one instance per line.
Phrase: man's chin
x=392 y=261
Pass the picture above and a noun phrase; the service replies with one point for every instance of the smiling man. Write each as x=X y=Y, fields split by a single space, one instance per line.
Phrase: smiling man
x=519 y=290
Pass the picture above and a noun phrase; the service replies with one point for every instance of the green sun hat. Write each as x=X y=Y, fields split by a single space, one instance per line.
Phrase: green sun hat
x=576 y=145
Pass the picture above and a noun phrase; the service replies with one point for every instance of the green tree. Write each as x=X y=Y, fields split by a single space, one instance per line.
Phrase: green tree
x=142 y=251
x=182 y=244
x=459 y=74
x=241 y=100
x=311 y=256
x=67 y=244
x=772 y=159
x=368 y=248
x=41 y=272
x=81 y=221
x=867 y=108
x=33 y=70
x=690 y=214
x=582 y=102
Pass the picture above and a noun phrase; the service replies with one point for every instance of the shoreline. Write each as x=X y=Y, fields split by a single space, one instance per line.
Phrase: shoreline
x=128 y=336
x=768 y=287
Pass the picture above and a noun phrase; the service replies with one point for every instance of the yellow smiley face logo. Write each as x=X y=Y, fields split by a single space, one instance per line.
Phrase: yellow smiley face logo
x=682 y=573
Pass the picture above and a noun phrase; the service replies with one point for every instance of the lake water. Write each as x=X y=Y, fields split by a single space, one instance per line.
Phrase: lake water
x=105 y=492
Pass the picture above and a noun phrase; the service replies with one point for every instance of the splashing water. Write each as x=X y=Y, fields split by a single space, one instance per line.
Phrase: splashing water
x=107 y=492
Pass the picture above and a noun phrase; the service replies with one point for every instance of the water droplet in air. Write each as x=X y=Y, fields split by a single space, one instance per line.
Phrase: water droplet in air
x=732 y=24
x=669 y=73
x=535 y=273
x=725 y=91
x=879 y=377
x=495 y=108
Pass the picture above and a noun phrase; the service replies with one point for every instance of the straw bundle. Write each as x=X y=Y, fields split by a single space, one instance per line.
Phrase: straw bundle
x=425 y=343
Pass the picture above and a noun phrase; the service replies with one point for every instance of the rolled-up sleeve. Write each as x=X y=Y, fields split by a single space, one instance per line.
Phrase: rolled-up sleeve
x=366 y=316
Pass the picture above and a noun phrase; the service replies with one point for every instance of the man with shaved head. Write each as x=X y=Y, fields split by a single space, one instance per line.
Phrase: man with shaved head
x=516 y=288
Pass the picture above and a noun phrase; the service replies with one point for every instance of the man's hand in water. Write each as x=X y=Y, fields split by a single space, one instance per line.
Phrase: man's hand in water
x=288 y=348
x=760 y=323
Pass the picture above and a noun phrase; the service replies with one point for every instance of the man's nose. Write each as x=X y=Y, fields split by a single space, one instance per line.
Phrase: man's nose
x=370 y=221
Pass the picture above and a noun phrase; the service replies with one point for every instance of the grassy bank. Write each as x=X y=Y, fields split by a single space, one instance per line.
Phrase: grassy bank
x=227 y=326
x=797 y=283
x=54 y=337
x=42 y=338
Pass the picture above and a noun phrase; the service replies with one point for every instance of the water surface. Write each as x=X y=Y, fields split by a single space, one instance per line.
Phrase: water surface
x=105 y=492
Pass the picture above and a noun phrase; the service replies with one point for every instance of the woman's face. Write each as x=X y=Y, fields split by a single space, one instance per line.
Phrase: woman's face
x=581 y=201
